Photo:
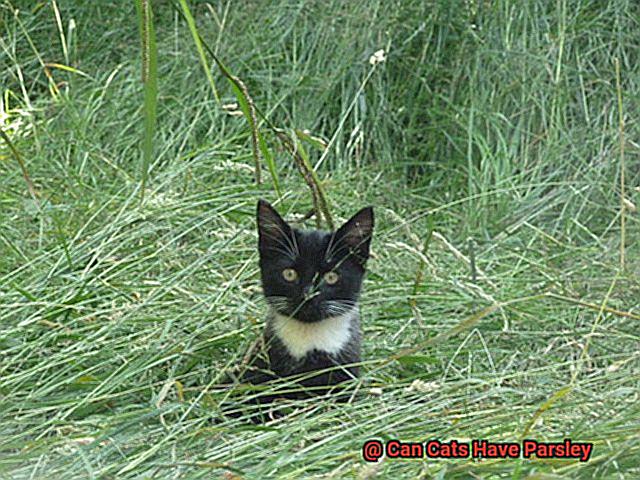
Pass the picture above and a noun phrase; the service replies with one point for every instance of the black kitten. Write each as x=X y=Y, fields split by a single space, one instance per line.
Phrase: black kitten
x=311 y=281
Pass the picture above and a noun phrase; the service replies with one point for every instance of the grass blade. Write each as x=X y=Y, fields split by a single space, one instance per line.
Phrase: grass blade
x=150 y=80
x=196 y=39
x=247 y=106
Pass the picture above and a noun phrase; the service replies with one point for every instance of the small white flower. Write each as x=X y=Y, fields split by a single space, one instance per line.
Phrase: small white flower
x=614 y=367
x=422 y=386
x=377 y=57
x=232 y=109
x=629 y=205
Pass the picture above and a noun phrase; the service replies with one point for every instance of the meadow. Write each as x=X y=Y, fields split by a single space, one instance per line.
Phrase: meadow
x=497 y=141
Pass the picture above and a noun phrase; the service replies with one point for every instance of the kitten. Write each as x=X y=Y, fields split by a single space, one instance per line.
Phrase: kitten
x=311 y=281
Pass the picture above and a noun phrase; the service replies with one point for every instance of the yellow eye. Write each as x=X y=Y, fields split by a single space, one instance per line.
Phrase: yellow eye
x=289 y=274
x=331 y=278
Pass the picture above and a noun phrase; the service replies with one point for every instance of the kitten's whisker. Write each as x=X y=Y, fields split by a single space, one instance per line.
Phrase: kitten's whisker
x=339 y=307
x=275 y=297
x=328 y=252
x=277 y=302
x=292 y=244
x=295 y=244
x=286 y=253
x=286 y=250
x=345 y=301
x=335 y=247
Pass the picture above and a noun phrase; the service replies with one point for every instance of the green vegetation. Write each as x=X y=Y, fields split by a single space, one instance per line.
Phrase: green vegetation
x=504 y=297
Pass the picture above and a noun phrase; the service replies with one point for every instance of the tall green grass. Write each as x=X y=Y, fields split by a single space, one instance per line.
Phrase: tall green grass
x=490 y=142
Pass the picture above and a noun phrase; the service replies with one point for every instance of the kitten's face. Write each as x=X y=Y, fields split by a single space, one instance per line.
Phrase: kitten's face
x=312 y=275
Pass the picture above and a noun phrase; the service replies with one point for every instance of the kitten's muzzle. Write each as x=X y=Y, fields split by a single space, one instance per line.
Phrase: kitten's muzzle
x=309 y=308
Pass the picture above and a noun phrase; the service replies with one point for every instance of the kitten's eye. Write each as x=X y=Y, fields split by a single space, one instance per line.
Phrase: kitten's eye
x=331 y=278
x=289 y=274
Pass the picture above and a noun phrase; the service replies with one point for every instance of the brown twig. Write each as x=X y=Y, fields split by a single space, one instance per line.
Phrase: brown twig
x=320 y=205
x=20 y=161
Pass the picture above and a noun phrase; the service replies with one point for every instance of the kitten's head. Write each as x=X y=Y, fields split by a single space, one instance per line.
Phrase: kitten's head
x=312 y=275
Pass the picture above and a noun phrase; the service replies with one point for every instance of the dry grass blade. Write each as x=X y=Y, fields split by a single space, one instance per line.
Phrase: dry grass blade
x=23 y=167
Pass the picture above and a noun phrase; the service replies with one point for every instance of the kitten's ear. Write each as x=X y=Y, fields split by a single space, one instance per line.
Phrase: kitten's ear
x=356 y=234
x=272 y=229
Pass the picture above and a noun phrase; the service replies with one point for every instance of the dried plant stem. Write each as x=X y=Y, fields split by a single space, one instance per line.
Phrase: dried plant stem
x=622 y=168
x=301 y=160
x=593 y=306
x=144 y=37
x=458 y=254
x=18 y=157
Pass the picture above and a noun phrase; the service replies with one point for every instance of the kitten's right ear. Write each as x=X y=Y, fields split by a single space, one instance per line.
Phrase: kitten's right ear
x=272 y=229
x=355 y=235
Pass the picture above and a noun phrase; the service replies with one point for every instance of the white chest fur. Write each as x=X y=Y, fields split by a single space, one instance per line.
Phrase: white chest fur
x=329 y=335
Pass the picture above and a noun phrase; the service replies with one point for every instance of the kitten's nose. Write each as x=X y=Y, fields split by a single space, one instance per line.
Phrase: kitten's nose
x=309 y=292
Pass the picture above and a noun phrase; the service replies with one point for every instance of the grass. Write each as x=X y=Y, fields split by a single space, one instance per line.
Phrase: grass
x=490 y=142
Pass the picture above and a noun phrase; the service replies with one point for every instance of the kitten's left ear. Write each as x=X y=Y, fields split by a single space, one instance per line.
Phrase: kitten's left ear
x=356 y=234
x=272 y=229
